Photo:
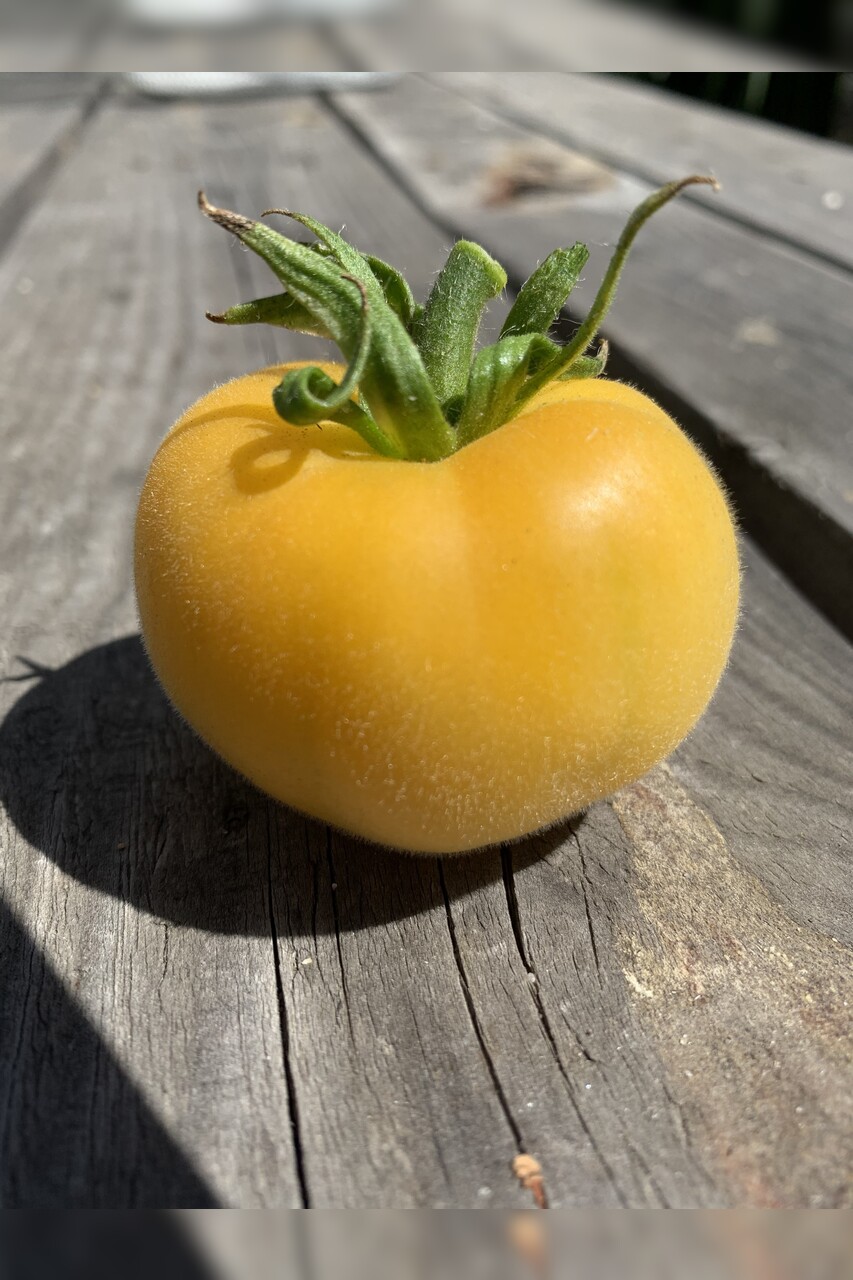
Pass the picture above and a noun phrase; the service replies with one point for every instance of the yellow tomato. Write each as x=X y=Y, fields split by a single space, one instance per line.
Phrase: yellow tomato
x=437 y=655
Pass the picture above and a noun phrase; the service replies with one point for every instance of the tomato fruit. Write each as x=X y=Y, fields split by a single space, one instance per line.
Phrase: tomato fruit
x=436 y=654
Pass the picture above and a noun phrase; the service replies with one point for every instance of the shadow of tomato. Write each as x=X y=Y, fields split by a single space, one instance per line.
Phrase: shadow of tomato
x=99 y=772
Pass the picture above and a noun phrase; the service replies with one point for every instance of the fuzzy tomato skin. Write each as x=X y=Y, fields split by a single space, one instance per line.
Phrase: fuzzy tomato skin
x=437 y=656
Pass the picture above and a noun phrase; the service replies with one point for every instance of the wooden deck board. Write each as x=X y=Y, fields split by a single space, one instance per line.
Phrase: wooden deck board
x=33 y=136
x=651 y=998
x=795 y=188
x=102 y=351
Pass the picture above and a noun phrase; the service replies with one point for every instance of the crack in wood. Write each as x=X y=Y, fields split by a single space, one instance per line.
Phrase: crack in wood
x=284 y=1028
x=472 y=1014
x=585 y=884
x=518 y=934
x=333 y=890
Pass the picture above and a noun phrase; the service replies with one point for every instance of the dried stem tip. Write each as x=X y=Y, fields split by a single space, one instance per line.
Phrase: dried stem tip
x=234 y=222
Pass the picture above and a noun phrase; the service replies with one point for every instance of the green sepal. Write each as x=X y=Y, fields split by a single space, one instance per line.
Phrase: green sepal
x=280 y=309
x=543 y=295
x=308 y=395
x=395 y=286
x=394 y=387
x=446 y=330
x=498 y=379
x=333 y=245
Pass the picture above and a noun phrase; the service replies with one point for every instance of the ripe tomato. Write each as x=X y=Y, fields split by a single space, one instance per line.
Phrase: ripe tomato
x=437 y=655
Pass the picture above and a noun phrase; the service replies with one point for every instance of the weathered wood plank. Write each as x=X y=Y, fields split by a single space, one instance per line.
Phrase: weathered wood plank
x=748 y=337
x=415 y=1039
x=798 y=188
x=98 y=354
x=76 y=1131
x=397 y=1106
x=33 y=138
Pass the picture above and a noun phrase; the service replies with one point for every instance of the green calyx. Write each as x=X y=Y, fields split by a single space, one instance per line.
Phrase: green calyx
x=415 y=386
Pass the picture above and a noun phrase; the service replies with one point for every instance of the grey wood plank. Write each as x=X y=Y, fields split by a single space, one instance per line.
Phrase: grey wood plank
x=745 y=337
x=397 y=1105
x=415 y=1039
x=74 y=1096
x=33 y=137
x=99 y=353
x=796 y=187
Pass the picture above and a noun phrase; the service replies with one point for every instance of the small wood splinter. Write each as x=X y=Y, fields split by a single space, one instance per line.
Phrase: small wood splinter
x=529 y=1174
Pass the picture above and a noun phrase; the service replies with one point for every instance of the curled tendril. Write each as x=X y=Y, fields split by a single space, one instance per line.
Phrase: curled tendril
x=306 y=396
x=309 y=396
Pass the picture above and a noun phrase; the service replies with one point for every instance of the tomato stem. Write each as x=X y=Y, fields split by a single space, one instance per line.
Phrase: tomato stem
x=414 y=387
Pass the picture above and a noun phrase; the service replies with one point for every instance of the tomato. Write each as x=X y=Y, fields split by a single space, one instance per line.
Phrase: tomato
x=438 y=597
x=437 y=655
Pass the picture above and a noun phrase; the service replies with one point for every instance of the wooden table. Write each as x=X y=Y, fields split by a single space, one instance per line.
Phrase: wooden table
x=207 y=1000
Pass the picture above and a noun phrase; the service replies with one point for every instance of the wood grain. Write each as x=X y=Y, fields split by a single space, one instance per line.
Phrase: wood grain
x=99 y=354
x=796 y=188
x=33 y=137
x=261 y=1013
x=745 y=339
